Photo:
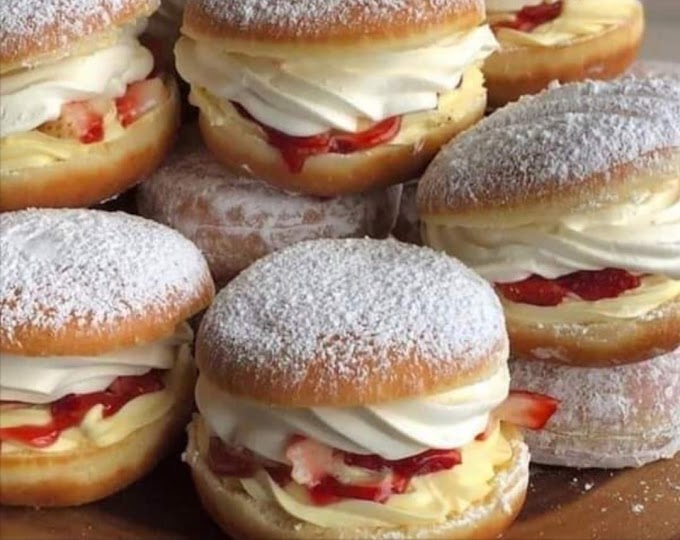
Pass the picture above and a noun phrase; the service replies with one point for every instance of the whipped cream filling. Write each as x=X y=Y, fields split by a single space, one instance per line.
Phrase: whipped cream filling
x=307 y=96
x=640 y=236
x=47 y=379
x=33 y=96
x=393 y=431
x=578 y=18
x=165 y=23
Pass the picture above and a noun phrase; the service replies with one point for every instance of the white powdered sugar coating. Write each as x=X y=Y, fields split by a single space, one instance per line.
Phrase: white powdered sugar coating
x=344 y=301
x=91 y=268
x=26 y=24
x=316 y=17
x=608 y=417
x=218 y=209
x=655 y=69
x=555 y=141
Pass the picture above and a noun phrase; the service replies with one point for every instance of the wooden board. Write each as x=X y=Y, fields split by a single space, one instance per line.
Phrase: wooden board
x=562 y=504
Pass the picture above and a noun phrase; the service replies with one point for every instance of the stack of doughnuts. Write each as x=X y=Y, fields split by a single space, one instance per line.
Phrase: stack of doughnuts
x=333 y=98
x=85 y=112
x=96 y=376
x=235 y=219
x=563 y=40
x=569 y=202
x=359 y=389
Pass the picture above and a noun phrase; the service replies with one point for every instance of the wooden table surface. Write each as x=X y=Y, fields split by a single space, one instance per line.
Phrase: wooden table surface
x=562 y=504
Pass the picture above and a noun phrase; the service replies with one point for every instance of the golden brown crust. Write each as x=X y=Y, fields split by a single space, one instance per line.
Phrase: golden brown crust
x=105 y=171
x=91 y=473
x=291 y=27
x=601 y=344
x=516 y=71
x=36 y=31
x=240 y=147
x=240 y=516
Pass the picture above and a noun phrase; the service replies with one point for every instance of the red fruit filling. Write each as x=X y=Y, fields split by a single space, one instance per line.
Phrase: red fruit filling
x=296 y=150
x=525 y=409
x=70 y=410
x=587 y=285
x=530 y=17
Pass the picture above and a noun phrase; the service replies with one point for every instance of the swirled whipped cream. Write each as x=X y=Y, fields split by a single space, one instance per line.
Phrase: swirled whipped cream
x=33 y=96
x=307 y=96
x=46 y=379
x=641 y=236
x=393 y=431
x=165 y=23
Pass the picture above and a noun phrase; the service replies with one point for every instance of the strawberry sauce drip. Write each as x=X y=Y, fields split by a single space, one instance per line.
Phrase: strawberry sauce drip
x=530 y=17
x=295 y=151
x=587 y=285
x=70 y=410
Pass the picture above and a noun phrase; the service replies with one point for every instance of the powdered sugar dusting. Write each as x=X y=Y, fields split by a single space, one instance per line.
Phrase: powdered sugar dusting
x=25 y=24
x=91 y=268
x=556 y=140
x=219 y=209
x=318 y=17
x=608 y=417
x=343 y=301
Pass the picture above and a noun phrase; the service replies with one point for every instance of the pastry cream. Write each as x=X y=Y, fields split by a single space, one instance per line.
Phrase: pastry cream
x=579 y=18
x=394 y=430
x=307 y=96
x=641 y=236
x=94 y=429
x=430 y=498
x=654 y=292
x=452 y=106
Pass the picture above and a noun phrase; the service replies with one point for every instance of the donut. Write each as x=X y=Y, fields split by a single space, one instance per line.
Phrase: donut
x=623 y=416
x=569 y=202
x=323 y=98
x=85 y=111
x=563 y=40
x=332 y=372
x=97 y=373
x=235 y=219
x=407 y=227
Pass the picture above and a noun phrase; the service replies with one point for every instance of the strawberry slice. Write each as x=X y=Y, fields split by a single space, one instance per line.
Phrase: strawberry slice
x=527 y=409
x=530 y=17
x=311 y=461
x=607 y=283
x=140 y=98
x=534 y=290
x=82 y=120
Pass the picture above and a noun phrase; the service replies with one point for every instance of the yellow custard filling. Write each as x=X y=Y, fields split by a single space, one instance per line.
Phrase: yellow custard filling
x=452 y=106
x=431 y=498
x=653 y=292
x=95 y=429
x=579 y=18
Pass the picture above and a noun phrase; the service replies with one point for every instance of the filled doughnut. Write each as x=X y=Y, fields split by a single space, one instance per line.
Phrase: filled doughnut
x=569 y=202
x=331 y=98
x=359 y=389
x=97 y=373
x=85 y=112
x=564 y=40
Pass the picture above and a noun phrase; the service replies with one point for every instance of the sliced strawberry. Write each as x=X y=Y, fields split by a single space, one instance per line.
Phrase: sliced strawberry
x=607 y=283
x=428 y=462
x=530 y=17
x=311 y=461
x=526 y=409
x=140 y=98
x=534 y=290
x=82 y=120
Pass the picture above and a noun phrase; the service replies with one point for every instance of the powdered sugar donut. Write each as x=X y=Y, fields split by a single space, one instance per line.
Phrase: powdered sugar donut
x=236 y=220
x=611 y=417
x=569 y=201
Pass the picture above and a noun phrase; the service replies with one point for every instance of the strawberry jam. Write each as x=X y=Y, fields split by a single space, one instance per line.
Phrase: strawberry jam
x=70 y=410
x=296 y=150
x=530 y=17
x=586 y=285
